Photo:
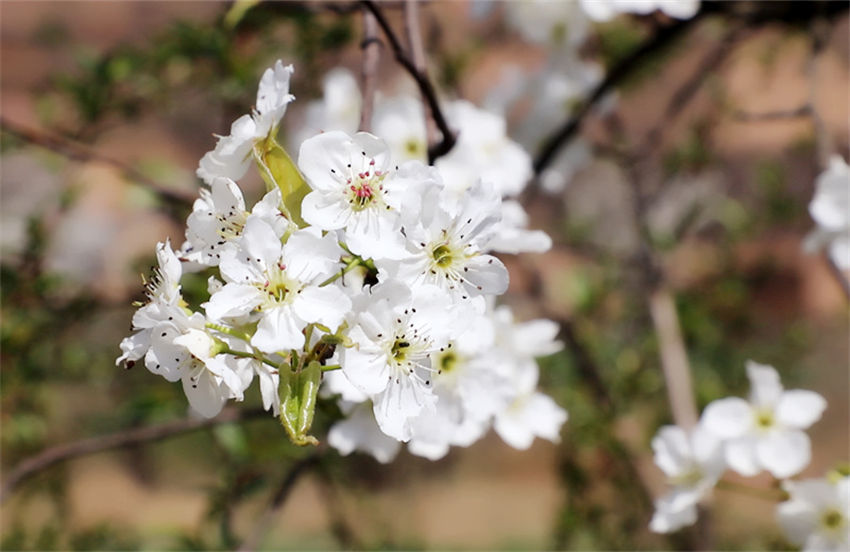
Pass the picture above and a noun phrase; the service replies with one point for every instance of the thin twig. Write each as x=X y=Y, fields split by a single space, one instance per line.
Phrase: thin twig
x=283 y=491
x=371 y=47
x=417 y=52
x=621 y=71
x=674 y=358
x=123 y=438
x=80 y=152
x=778 y=115
x=425 y=87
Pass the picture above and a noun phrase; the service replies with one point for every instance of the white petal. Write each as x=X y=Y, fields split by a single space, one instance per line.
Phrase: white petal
x=368 y=372
x=765 y=387
x=205 y=395
x=269 y=383
x=784 y=453
x=401 y=401
x=321 y=154
x=728 y=418
x=487 y=274
x=799 y=408
x=327 y=305
x=308 y=255
x=672 y=450
x=666 y=519
x=324 y=211
x=278 y=330
x=360 y=432
x=233 y=300
x=741 y=456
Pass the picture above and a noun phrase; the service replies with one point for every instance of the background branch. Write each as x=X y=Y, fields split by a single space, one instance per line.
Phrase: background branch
x=80 y=152
x=279 y=497
x=124 y=438
x=417 y=52
x=371 y=47
x=426 y=88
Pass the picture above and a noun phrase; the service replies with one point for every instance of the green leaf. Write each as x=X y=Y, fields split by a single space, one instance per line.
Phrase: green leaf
x=278 y=170
x=299 y=402
x=237 y=11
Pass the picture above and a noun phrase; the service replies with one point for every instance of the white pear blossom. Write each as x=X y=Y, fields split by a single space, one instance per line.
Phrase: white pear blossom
x=830 y=209
x=548 y=21
x=218 y=217
x=605 y=10
x=469 y=384
x=338 y=109
x=483 y=152
x=356 y=189
x=163 y=292
x=233 y=153
x=281 y=283
x=397 y=331
x=530 y=413
x=692 y=462
x=400 y=121
x=765 y=432
x=817 y=514
x=446 y=244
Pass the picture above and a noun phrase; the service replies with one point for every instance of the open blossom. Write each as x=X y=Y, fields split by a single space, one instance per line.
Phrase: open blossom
x=765 y=432
x=356 y=189
x=233 y=153
x=817 y=514
x=605 y=10
x=548 y=22
x=830 y=209
x=469 y=386
x=692 y=462
x=397 y=331
x=447 y=243
x=529 y=413
x=281 y=284
x=219 y=216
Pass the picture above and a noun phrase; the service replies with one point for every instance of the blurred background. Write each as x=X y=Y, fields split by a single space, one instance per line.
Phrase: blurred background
x=693 y=172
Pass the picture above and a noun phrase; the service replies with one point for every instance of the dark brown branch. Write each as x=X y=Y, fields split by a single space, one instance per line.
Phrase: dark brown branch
x=749 y=13
x=279 y=497
x=124 y=438
x=371 y=47
x=621 y=71
x=425 y=87
x=80 y=152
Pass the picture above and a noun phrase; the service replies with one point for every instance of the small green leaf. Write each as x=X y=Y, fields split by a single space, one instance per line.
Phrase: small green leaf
x=237 y=11
x=278 y=170
x=299 y=402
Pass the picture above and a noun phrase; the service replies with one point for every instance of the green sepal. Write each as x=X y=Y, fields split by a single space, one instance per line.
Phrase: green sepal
x=278 y=170
x=299 y=392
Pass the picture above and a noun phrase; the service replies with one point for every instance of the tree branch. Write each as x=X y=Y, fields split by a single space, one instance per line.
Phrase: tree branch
x=778 y=115
x=80 y=152
x=123 y=438
x=283 y=491
x=371 y=47
x=417 y=51
x=621 y=71
x=425 y=87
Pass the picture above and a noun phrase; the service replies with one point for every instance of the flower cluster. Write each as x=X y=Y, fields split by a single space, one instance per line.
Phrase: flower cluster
x=765 y=432
x=361 y=273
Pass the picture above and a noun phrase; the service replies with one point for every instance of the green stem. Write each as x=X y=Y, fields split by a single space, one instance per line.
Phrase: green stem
x=773 y=495
x=356 y=261
x=331 y=368
x=229 y=331
x=243 y=354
